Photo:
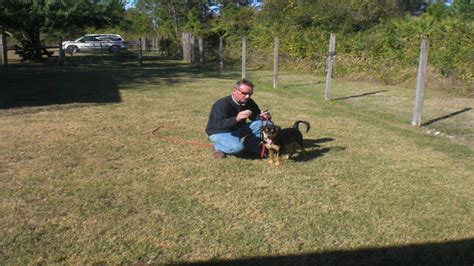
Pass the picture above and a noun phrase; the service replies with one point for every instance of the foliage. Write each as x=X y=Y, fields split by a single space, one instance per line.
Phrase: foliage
x=30 y=19
x=170 y=18
x=451 y=48
x=376 y=38
x=237 y=21
x=136 y=23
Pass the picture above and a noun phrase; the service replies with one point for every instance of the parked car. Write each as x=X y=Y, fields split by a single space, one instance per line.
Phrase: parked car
x=108 y=42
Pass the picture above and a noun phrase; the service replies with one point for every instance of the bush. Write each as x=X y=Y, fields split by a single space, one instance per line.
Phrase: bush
x=388 y=51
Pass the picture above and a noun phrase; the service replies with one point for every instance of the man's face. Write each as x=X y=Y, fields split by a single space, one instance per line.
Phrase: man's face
x=243 y=93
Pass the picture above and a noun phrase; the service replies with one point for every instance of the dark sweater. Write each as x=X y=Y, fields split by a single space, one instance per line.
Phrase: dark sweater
x=224 y=112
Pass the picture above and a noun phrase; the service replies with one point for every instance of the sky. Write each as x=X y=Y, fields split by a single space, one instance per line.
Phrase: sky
x=130 y=4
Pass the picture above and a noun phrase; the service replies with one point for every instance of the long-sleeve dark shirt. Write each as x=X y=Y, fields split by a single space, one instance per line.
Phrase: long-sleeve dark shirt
x=224 y=112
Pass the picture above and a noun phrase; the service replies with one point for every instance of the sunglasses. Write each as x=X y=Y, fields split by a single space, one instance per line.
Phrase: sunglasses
x=245 y=93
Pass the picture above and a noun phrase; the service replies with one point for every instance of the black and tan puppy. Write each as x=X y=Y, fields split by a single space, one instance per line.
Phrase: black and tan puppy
x=276 y=139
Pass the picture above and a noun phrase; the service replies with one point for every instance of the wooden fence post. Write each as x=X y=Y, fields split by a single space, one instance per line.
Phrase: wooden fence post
x=420 y=83
x=330 y=61
x=145 y=44
x=244 y=56
x=61 y=52
x=195 y=49
x=275 y=62
x=3 y=49
x=221 y=54
x=201 y=49
x=194 y=54
x=157 y=44
x=139 y=52
x=187 y=47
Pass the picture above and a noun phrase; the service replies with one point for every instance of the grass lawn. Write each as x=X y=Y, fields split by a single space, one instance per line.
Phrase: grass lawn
x=83 y=180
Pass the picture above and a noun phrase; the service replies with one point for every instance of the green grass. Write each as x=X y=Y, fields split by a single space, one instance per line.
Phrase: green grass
x=83 y=180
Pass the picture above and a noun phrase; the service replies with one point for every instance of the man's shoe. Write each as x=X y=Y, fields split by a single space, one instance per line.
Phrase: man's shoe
x=218 y=155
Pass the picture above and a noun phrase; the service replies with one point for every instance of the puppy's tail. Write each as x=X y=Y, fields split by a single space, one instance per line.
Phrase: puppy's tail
x=295 y=125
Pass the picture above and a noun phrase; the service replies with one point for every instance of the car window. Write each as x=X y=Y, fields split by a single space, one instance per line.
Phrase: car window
x=88 y=39
x=112 y=38
x=107 y=38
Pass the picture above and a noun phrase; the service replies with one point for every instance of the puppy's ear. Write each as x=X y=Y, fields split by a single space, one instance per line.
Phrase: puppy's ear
x=278 y=128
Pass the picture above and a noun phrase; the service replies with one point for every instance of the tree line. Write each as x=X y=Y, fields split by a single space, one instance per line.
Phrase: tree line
x=374 y=36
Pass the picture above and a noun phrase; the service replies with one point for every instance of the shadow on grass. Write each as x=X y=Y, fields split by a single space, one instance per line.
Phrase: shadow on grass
x=89 y=79
x=460 y=252
x=357 y=96
x=302 y=85
x=36 y=86
x=445 y=117
x=314 y=150
x=311 y=147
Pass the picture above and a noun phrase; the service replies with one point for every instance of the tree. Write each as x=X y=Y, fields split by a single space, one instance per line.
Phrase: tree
x=236 y=21
x=174 y=17
x=171 y=16
x=136 y=23
x=30 y=19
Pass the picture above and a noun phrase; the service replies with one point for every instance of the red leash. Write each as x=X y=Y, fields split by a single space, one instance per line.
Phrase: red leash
x=262 y=153
x=264 y=124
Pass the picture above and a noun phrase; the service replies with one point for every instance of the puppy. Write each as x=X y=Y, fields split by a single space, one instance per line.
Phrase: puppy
x=276 y=139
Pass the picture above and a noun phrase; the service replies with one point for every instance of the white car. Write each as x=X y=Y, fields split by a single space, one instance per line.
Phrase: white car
x=108 y=42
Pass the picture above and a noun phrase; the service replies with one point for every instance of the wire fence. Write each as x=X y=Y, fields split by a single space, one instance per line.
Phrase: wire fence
x=193 y=52
x=98 y=54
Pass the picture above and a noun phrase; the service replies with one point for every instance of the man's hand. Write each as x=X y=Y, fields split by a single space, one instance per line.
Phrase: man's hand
x=266 y=115
x=243 y=115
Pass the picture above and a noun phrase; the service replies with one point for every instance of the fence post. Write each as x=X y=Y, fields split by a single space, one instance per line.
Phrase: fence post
x=61 y=52
x=330 y=61
x=275 y=62
x=244 y=56
x=193 y=49
x=187 y=47
x=420 y=83
x=3 y=49
x=201 y=49
x=139 y=51
x=221 y=54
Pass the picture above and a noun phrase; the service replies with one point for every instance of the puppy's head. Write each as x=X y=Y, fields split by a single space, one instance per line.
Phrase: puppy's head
x=270 y=133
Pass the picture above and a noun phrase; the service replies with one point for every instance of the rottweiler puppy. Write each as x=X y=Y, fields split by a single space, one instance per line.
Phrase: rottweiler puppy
x=276 y=139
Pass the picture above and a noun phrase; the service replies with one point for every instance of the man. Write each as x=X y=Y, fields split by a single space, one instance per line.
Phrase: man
x=228 y=123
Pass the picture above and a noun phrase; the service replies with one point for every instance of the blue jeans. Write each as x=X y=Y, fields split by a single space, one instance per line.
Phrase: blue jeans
x=231 y=142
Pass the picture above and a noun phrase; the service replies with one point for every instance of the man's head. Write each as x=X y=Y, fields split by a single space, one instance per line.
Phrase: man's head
x=242 y=91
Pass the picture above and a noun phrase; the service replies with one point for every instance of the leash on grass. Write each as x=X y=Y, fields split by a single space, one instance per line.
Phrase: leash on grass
x=177 y=140
x=181 y=141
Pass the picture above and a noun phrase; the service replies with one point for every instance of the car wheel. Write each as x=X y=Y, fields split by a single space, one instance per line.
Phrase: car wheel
x=114 y=49
x=72 y=49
